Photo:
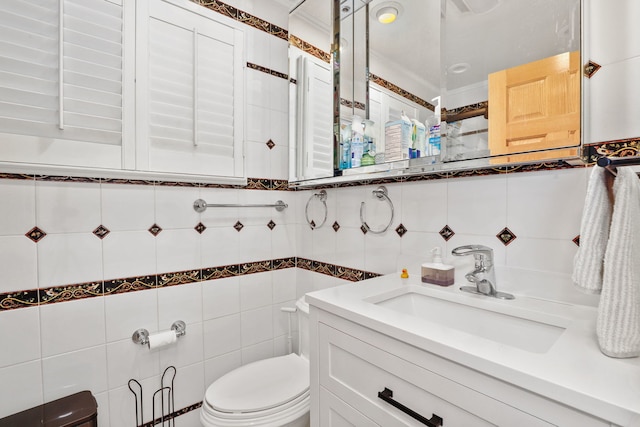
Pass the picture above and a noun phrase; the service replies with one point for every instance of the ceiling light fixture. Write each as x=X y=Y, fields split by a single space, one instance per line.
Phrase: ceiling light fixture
x=459 y=68
x=386 y=15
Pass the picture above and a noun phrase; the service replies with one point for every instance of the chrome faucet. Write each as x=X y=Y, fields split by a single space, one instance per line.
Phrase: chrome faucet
x=483 y=275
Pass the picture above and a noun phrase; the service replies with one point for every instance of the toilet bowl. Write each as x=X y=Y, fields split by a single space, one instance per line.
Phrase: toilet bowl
x=272 y=392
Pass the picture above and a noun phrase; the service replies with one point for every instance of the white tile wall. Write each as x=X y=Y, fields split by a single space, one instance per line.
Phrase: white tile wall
x=222 y=335
x=69 y=258
x=17 y=209
x=613 y=113
x=67 y=207
x=18 y=263
x=21 y=336
x=128 y=254
x=61 y=348
x=21 y=387
x=70 y=373
x=127 y=207
x=128 y=312
x=73 y=325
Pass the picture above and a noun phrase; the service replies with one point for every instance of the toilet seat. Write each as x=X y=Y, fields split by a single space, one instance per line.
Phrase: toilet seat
x=266 y=392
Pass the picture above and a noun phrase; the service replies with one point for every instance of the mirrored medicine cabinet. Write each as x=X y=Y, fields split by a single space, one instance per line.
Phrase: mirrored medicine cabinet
x=398 y=87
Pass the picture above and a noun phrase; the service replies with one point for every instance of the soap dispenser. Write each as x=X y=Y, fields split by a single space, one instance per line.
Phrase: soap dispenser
x=436 y=272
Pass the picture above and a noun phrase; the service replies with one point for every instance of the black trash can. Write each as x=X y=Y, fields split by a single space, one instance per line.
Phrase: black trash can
x=77 y=410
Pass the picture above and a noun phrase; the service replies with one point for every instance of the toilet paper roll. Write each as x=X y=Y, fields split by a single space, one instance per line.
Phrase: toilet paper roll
x=162 y=339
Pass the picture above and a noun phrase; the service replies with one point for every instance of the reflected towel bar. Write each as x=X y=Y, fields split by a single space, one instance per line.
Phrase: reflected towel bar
x=201 y=206
x=618 y=161
x=610 y=163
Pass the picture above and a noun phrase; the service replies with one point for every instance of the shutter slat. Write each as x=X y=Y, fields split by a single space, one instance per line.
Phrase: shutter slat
x=93 y=109
x=27 y=83
x=93 y=70
x=92 y=75
x=86 y=121
x=27 y=55
x=97 y=45
x=32 y=99
x=25 y=112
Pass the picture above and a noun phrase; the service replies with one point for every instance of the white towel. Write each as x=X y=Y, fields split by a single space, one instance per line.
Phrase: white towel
x=618 y=325
x=594 y=233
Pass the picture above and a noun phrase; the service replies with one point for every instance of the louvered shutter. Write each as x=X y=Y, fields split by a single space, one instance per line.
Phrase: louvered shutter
x=193 y=120
x=61 y=82
x=315 y=113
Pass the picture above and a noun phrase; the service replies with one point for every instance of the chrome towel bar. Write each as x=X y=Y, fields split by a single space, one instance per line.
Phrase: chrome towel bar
x=201 y=206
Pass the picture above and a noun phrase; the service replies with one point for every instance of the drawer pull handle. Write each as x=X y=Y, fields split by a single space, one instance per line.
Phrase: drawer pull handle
x=387 y=396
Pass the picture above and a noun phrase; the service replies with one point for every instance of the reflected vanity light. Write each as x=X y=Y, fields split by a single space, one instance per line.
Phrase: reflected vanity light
x=387 y=15
x=387 y=12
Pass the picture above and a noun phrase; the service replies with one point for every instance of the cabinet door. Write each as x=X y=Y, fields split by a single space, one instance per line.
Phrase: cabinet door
x=189 y=91
x=356 y=372
x=61 y=82
x=314 y=118
x=536 y=106
x=336 y=413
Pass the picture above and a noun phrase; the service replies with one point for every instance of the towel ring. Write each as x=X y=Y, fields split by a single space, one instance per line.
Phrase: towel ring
x=322 y=196
x=381 y=194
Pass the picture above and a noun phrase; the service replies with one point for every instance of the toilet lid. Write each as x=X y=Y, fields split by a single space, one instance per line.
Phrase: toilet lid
x=260 y=385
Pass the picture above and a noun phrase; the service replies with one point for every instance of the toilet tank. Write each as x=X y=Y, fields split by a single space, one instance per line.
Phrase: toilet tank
x=303 y=327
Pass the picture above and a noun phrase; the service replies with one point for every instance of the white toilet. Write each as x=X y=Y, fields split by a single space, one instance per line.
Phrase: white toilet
x=268 y=393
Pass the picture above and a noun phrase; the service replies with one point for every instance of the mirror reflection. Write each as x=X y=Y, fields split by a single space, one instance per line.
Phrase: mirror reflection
x=432 y=83
x=511 y=78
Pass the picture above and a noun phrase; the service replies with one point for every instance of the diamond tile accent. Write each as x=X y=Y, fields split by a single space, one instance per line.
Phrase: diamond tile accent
x=238 y=226
x=401 y=230
x=506 y=236
x=336 y=226
x=590 y=69
x=576 y=240
x=271 y=225
x=200 y=228
x=271 y=144
x=101 y=231
x=446 y=233
x=312 y=224
x=35 y=234
x=364 y=229
x=155 y=229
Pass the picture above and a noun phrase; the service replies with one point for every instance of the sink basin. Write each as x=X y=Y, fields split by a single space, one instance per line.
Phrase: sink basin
x=500 y=321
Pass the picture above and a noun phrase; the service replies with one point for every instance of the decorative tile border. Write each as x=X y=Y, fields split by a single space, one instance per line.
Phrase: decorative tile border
x=399 y=91
x=121 y=286
x=252 y=183
x=19 y=299
x=267 y=71
x=35 y=297
x=470 y=107
x=244 y=17
x=351 y=104
x=629 y=147
x=482 y=171
x=340 y=272
x=70 y=292
x=309 y=48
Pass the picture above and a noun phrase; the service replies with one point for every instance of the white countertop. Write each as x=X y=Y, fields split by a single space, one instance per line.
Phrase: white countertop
x=573 y=371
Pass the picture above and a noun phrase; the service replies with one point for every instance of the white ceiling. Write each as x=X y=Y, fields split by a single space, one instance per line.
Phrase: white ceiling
x=514 y=32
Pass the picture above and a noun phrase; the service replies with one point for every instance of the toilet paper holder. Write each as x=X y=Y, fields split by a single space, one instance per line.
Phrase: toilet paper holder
x=141 y=336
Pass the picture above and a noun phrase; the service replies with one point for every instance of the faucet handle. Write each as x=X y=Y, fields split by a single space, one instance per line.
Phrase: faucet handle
x=478 y=251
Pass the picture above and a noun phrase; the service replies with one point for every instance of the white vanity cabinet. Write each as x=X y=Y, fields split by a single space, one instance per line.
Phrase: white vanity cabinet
x=352 y=364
